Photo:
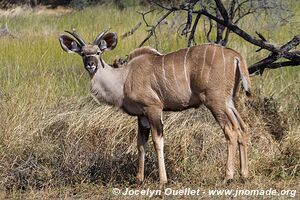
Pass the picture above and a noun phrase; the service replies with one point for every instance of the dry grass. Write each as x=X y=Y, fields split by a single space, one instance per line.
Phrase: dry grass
x=56 y=142
x=81 y=149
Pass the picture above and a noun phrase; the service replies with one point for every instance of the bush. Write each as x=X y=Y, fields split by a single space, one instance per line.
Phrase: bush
x=10 y=3
x=77 y=4
x=80 y=4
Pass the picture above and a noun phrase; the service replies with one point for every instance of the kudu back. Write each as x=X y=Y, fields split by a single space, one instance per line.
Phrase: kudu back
x=149 y=83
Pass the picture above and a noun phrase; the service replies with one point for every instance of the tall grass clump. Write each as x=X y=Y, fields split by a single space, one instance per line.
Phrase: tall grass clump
x=57 y=142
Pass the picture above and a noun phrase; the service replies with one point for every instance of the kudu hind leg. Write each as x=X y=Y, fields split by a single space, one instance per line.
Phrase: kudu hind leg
x=219 y=112
x=142 y=138
x=241 y=130
x=243 y=139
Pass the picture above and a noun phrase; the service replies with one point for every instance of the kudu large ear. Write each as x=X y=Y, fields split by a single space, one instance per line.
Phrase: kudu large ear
x=108 y=42
x=69 y=45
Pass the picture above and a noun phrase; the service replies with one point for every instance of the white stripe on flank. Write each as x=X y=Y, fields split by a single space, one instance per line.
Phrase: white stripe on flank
x=213 y=57
x=184 y=66
x=155 y=95
x=224 y=61
x=208 y=74
x=163 y=71
x=160 y=92
x=204 y=57
x=174 y=74
x=163 y=66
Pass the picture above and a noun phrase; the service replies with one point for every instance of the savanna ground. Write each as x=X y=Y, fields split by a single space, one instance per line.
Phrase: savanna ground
x=56 y=142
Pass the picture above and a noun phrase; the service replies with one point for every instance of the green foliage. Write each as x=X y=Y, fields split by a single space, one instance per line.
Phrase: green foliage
x=77 y=4
x=11 y=3
x=80 y=4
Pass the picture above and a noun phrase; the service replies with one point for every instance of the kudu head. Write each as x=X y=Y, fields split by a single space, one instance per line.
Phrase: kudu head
x=90 y=53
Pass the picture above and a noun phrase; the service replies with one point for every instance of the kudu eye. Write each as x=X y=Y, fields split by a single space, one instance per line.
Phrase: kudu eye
x=98 y=53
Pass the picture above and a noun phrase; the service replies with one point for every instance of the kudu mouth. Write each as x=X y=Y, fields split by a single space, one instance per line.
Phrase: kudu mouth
x=91 y=64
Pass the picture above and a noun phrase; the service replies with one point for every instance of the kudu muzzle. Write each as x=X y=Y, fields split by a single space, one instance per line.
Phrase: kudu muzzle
x=91 y=62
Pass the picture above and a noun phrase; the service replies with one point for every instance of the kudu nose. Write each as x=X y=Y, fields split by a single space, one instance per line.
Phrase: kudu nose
x=91 y=67
x=91 y=63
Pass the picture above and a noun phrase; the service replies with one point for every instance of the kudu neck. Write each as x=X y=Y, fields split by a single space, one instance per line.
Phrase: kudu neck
x=107 y=84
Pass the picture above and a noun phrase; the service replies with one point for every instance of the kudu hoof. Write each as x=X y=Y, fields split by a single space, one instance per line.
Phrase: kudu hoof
x=162 y=184
x=227 y=181
x=139 y=181
x=244 y=180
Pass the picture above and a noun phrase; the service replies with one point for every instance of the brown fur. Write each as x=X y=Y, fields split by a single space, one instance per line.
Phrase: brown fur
x=149 y=83
x=206 y=74
x=141 y=51
x=175 y=90
x=120 y=62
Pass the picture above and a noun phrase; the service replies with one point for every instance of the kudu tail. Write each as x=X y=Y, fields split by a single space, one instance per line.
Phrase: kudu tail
x=244 y=75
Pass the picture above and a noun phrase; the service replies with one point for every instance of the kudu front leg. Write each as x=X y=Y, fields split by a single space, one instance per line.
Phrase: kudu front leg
x=142 y=138
x=156 y=124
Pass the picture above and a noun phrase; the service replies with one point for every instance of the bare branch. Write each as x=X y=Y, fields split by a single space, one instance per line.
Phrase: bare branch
x=151 y=31
x=190 y=7
x=207 y=33
x=135 y=28
x=283 y=52
x=231 y=9
x=242 y=15
x=262 y=66
x=261 y=36
x=220 y=29
x=291 y=44
x=225 y=40
x=234 y=28
x=188 y=21
x=224 y=19
x=160 y=5
x=144 y=15
x=222 y=10
x=239 y=6
x=282 y=64
x=295 y=52
x=192 y=34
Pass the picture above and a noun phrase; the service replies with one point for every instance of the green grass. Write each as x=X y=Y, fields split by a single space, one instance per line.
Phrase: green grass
x=55 y=142
x=35 y=58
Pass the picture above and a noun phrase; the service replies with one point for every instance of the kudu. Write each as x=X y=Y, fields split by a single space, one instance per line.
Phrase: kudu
x=150 y=83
